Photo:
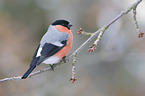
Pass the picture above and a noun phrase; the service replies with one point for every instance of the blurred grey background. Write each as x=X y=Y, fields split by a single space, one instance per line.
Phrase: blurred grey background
x=116 y=68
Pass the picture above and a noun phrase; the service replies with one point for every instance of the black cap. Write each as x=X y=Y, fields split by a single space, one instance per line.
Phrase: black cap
x=64 y=23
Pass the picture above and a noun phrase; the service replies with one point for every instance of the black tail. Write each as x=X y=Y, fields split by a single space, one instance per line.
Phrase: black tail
x=28 y=72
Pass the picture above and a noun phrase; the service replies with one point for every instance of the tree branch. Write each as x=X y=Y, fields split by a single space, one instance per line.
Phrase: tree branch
x=92 y=48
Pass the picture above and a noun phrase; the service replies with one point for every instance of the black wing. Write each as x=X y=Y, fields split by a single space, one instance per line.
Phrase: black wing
x=47 y=50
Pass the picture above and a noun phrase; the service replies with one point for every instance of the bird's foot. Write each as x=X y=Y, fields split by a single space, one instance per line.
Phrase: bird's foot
x=63 y=59
x=52 y=67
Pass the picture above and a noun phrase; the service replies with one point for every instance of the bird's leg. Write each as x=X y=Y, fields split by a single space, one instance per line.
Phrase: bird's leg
x=52 y=67
x=63 y=59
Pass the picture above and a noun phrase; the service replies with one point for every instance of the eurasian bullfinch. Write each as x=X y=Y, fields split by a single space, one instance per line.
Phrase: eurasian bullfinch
x=54 y=45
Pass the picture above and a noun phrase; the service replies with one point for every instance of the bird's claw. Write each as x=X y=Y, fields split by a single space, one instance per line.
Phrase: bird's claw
x=52 y=67
x=63 y=59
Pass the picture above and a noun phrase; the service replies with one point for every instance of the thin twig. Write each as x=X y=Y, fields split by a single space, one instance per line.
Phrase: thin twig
x=32 y=74
x=135 y=21
x=73 y=78
x=140 y=34
x=105 y=27
x=93 y=35
x=80 y=31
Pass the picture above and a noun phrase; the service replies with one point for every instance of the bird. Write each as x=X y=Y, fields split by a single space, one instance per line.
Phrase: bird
x=53 y=47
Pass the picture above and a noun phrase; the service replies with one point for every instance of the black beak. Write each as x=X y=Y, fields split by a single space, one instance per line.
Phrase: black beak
x=70 y=25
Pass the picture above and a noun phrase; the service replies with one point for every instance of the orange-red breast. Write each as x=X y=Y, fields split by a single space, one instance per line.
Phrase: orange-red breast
x=54 y=45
